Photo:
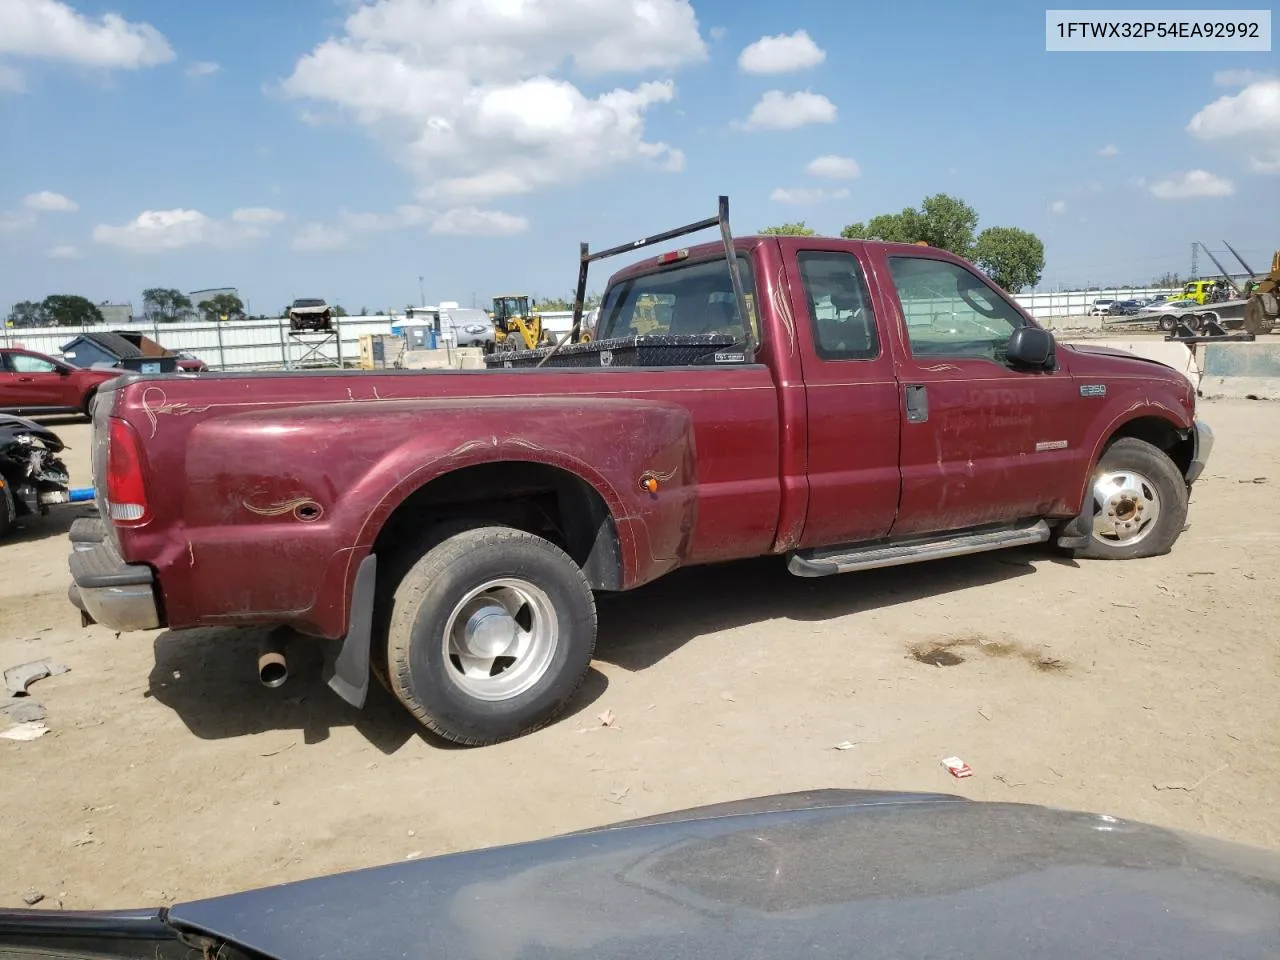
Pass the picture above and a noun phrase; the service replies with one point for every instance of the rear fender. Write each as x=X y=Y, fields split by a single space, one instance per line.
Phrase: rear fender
x=308 y=488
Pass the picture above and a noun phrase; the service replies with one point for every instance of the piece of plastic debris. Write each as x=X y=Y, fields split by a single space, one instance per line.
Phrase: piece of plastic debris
x=607 y=719
x=25 y=731
x=84 y=839
x=32 y=897
x=22 y=710
x=845 y=745
x=18 y=678
x=957 y=767
x=984 y=713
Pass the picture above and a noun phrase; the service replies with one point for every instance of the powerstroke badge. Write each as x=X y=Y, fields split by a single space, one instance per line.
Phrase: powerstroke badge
x=1093 y=389
x=1044 y=445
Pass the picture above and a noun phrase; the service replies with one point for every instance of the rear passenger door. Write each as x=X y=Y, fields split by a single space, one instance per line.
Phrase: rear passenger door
x=983 y=442
x=851 y=396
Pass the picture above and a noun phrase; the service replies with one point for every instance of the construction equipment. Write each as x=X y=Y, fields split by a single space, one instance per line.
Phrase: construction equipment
x=515 y=325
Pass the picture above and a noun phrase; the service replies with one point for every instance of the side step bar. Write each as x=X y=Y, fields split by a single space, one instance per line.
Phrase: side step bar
x=825 y=561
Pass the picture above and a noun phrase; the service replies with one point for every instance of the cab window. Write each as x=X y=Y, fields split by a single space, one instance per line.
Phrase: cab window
x=951 y=312
x=840 y=316
x=692 y=298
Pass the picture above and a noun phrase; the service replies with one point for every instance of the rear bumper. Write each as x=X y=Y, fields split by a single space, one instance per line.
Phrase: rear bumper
x=1202 y=437
x=107 y=590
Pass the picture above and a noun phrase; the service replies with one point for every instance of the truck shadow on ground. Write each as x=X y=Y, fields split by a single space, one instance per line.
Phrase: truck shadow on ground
x=638 y=629
x=56 y=523
x=209 y=678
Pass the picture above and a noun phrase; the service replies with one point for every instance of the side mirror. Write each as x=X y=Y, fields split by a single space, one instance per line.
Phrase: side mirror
x=1031 y=347
x=64 y=371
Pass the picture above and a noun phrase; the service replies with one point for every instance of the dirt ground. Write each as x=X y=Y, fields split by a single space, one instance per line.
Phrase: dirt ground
x=1148 y=690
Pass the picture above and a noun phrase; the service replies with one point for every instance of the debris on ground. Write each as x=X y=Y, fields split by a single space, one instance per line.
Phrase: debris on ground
x=22 y=710
x=957 y=767
x=32 y=897
x=607 y=719
x=984 y=713
x=25 y=731
x=18 y=678
x=1188 y=787
x=845 y=745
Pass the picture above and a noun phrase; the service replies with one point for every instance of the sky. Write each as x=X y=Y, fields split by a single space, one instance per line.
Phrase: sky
x=344 y=149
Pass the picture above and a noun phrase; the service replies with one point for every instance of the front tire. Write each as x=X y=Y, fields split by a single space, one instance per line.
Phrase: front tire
x=491 y=632
x=1136 y=504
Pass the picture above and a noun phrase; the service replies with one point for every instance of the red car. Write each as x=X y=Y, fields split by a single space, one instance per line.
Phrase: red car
x=31 y=382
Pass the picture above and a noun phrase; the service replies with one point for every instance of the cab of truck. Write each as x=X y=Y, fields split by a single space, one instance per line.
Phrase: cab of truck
x=1198 y=290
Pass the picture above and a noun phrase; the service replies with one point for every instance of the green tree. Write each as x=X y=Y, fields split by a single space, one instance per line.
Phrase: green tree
x=339 y=311
x=1013 y=258
x=797 y=229
x=69 y=310
x=25 y=314
x=942 y=221
x=165 y=305
x=222 y=305
x=364 y=311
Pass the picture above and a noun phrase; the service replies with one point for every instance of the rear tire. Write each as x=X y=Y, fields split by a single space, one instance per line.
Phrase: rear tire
x=90 y=401
x=1136 y=504
x=490 y=633
x=1167 y=323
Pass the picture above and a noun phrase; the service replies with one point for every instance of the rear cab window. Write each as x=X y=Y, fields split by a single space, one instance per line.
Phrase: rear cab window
x=951 y=312
x=683 y=300
x=840 y=313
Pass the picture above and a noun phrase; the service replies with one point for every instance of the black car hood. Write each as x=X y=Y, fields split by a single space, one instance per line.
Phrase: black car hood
x=837 y=874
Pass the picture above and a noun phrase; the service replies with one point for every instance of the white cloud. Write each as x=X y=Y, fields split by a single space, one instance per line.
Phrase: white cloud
x=466 y=96
x=1110 y=150
x=1058 y=206
x=317 y=236
x=203 y=68
x=156 y=231
x=780 y=111
x=11 y=79
x=52 y=29
x=831 y=167
x=1266 y=162
x=806 y=195
x=717 y=34
x=785 y=53
x=64 y=252
x=257 y=215
x=1194 y=183
x=1240 y=78
x=1249 y=120
x=470 y=221
x=13 y=222
x=50 y=201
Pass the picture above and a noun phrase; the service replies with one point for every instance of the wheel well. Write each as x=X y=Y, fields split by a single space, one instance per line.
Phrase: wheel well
x=534 y=497
x=1174 y=441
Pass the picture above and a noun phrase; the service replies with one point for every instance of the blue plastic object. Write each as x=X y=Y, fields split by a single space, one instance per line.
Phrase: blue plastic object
x=80 y=494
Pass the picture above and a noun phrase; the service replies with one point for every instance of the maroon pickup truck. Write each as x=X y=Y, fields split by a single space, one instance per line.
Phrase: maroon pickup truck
x=843 y=404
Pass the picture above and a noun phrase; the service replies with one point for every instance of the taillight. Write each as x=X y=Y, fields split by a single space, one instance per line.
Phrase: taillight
x=126 y=488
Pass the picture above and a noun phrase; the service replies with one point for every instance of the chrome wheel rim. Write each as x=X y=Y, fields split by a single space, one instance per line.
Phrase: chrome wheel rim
x=1126 y=508
x=500 y=639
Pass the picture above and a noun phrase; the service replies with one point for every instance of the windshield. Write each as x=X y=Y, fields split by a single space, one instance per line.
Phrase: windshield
x=308 y=303
x=504 y=307
x=694 y=298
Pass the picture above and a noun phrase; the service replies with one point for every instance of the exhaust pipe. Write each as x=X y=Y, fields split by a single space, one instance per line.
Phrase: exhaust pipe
x=273 y=668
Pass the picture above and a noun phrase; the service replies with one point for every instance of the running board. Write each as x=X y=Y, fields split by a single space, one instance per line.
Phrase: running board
x=825 y=561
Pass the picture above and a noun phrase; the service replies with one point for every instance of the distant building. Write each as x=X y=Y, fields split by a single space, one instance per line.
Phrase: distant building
x=116 y=313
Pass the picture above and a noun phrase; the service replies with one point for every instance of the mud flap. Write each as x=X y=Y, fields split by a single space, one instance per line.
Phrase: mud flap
x=350 y=678
x=1074 y=534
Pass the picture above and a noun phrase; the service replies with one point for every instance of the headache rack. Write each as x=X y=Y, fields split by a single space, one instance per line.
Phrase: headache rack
x=652 y=349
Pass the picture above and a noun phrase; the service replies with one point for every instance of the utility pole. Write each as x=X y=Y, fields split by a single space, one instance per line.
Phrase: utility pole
x=1195 y=260
x=421 y=292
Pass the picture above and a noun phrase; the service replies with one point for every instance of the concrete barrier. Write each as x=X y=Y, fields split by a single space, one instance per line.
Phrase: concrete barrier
x=1241 y=371
x=1176 y=355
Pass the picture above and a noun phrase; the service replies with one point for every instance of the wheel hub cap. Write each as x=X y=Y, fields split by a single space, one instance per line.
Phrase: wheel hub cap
x=1126 y=507
x=500 y=639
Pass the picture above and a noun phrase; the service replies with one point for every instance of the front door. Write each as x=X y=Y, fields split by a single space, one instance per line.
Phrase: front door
x=851 y=396
x=31 y=381
x=983 y=442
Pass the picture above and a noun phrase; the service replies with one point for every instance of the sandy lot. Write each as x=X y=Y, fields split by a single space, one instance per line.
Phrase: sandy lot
x=1148 y=690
